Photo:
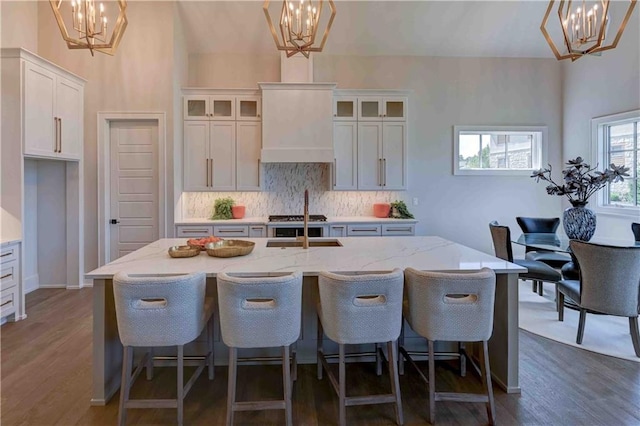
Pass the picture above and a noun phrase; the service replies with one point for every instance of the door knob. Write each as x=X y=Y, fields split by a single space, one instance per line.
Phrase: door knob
x=114 y=221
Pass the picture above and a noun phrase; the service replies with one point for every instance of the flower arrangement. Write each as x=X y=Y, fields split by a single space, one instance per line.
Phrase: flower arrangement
x=581 y=180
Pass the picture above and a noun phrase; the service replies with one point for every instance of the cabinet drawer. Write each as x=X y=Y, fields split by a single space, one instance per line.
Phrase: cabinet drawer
x=7 y=254
x=364 y=230
x=338 y=230
x=398 y=229
x=8 y=275
x=231 y=231
x=257 y=231
x=194 y=231
x=8 y=300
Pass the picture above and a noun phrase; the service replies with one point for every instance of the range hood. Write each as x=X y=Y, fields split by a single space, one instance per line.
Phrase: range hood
x=297 y=122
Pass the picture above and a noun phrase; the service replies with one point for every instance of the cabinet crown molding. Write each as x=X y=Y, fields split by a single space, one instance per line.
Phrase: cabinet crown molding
x=217 y=91
x=371 y=92
x=21 y=53
x=297 y=86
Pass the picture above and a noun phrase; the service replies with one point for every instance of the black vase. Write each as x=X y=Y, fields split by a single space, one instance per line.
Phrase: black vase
x=579 y=222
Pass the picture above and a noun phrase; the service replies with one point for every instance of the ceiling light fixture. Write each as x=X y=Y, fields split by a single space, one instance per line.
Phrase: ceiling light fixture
x=584 y=28
x=90 y=23
x=299 y=23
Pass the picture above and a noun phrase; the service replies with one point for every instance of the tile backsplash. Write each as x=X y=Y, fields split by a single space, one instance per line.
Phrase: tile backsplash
x=283 y=193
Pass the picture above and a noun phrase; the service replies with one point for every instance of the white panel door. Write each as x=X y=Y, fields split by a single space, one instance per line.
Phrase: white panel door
x=222 y=155
x=248 y=146
x=134 y=186
x=394 y=155
x=345 y=151
x=370 y=155
x=39 y=111
x=70 y=114
x=196 y=156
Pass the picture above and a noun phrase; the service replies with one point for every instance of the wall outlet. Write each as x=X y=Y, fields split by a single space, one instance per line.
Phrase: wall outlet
x=415 y=201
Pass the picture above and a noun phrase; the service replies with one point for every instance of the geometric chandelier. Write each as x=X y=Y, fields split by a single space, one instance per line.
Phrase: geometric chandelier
x=298 y=26
x=90 y=24
x=584 y=27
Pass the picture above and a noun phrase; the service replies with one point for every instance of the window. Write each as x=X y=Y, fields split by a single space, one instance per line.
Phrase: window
x=616 y=139
x=513 y=150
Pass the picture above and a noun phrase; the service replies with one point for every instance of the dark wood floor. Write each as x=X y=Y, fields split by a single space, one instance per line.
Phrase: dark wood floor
x=46 y=380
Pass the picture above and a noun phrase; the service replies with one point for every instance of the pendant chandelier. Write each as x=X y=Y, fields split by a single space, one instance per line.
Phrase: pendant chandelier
x=586 y=27
x=298 y=24
x=89 y=24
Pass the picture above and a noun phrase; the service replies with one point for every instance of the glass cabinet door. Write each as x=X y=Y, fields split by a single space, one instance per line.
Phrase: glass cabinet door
x=248 y=108
x=223 y=108
x=370 y=109
x=345 y=108
x=195 y=108
x=395 y=109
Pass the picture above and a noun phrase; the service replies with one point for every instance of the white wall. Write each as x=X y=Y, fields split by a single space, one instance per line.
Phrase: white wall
x=595 y=86
x=18 y=23
x=237 y=70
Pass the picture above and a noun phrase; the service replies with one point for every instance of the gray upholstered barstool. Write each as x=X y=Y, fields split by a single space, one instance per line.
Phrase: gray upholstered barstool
x=262 y=312
x=161 y=311
x=452 y=307
x=361 y=309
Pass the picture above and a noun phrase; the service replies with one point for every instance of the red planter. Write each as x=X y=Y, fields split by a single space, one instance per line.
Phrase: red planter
x=381 y=209
x=237 y=212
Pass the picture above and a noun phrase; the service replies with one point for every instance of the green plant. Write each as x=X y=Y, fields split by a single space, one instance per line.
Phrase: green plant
x=222 y=208
x=401 y=208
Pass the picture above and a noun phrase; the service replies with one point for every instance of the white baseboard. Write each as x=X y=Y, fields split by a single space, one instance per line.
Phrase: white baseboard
x=88 y=282
x=31 y=283
x=53 y=286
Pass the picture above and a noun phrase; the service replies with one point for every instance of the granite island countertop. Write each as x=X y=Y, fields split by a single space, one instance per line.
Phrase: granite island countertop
x=357 y=255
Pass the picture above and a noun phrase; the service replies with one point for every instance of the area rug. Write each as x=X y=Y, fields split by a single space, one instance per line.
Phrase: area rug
x=603 y=334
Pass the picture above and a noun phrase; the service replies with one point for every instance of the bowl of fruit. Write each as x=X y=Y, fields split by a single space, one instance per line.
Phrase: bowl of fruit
x=201 y=242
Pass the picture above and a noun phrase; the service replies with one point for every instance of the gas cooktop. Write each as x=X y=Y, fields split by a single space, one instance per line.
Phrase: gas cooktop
x=297 y=218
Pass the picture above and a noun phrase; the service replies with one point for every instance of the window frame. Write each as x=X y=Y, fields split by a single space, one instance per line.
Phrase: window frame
x=542 y=152
x=599 y=149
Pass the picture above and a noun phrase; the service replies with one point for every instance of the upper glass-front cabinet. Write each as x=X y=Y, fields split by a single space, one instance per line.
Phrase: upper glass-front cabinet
x=222 y=107
x=385 y=109
x=345 y=108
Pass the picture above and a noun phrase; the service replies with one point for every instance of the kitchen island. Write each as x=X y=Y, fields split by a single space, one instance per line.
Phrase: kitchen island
x=356 y=255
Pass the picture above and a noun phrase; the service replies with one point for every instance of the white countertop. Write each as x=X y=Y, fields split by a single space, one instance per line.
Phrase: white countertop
x=265 y=221
x=358 y=255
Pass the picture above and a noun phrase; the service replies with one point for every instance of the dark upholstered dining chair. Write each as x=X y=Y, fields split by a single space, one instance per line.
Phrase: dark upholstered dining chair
x=635 y=228
x=536 y=225
x=537 y=271
x=609 y=284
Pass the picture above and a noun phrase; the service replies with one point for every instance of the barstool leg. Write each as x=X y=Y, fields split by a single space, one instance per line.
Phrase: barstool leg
x=286 y=381
x=462 y=351
x=534 y=286
x=149 y=367
x=486 y=374
x=342 y=386
x=401 y=344
x=127 y=358
x=320 y=348
x=395 y=381
x=231 y=387
x=210 y=326
x=378 y=360
x=180 y=384
x=432 y=384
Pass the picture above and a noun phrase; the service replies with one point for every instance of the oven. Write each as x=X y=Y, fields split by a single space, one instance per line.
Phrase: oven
x=291 y=226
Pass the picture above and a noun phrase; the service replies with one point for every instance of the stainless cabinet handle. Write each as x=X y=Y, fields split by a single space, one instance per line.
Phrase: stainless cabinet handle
x=195 y=231
x=222 y=231
x=399 y=229
x=258 y=172
x=60 y=134
x=5 y=276
x=256 y=228
x=364 y=230
x=55 y=134
x=379 y=171
x=206 y=171
x=6 y=303
x=9 y=253
x=384 y=172
x=335 y=173
x=211 y=172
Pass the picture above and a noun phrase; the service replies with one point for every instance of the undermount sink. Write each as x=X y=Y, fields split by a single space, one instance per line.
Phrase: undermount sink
x=312 y=243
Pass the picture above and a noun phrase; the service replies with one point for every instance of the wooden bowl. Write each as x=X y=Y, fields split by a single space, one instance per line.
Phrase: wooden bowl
x=183 y=251
x=229 y=248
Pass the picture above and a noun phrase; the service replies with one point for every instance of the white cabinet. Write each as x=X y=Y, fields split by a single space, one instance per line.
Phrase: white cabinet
x=388 y=108
x=209 y=156
x=370 y=141
x=194 y=231
x=345 y=150
x=222 y=107
x=257 y=231
x=53 y=113
x=228 y=231
x=364 y=230
x=222 y=140
x=10 y=280
x=337 y=230
x=397 y=229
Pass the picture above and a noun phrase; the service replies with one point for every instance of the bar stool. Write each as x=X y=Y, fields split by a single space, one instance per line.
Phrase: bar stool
x=260 y=313
x=161 y=311
x=452 y=307
x=360 y=309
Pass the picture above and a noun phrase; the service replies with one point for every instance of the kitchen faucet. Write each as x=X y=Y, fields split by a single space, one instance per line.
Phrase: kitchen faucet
x=305 y=231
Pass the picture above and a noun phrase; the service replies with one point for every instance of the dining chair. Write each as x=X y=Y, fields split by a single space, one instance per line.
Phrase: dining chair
x=452 y=307
x=161 y=311
x=542 y=225
x=536 y=270
x=609 y=284
x=635 y=228
x=260 y=312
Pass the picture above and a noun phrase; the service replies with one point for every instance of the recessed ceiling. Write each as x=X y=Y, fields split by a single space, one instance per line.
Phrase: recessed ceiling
x=425 y=28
